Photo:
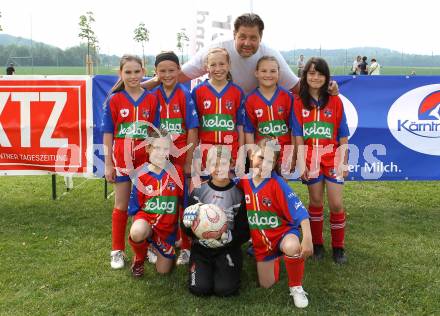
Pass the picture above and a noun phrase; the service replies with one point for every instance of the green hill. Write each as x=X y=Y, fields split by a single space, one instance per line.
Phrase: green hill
x=19 y=50
x=345 y=57
x=12 y=47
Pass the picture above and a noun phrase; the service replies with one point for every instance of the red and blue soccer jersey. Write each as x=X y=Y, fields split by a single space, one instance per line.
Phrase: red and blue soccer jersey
x=273 y=210
x=269 y=118
x=219 y=114
x=157 y=199
x=177 y=116
x=320 y=127
x=127 y=118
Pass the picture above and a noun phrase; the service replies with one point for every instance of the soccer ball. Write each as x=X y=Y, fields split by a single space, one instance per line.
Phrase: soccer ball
x=211 y=222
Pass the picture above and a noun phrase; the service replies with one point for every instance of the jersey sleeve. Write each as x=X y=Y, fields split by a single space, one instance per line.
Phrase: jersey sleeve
x=249 y=119
x=292 y=207
x=191 y=116
x=241 y=113
x=290 y=111
x=156 y=119
x=296 y=117
x=194 y=98
x=343 y=126
x=107 y=125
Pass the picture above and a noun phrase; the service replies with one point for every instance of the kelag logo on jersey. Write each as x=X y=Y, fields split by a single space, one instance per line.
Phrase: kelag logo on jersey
x=414 y=119
x=172 y=125
x=161 y=205
x=273 y=128
x=217 y=122
x=263 y=220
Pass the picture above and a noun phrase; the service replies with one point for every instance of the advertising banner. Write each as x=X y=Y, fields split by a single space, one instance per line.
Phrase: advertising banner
x=46 y=125
x=394 y=124
x=52 y=125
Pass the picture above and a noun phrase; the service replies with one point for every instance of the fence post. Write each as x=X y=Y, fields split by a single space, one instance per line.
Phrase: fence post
x=105 y=190
x=54 y=187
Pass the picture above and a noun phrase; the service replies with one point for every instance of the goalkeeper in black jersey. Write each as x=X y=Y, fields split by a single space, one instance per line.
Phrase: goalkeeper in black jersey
x=215 y=265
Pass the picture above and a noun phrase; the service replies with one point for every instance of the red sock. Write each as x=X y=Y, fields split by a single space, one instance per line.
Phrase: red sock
x=186 y=242
x=337 y=228
x=316 y=222
x=139 y=249
x=276 y=269
x=295 y=270
x=119 y=223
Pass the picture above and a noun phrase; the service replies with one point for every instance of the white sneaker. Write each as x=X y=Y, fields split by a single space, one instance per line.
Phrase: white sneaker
x=183 y=257
x=152 y=257
x=299 y=296
x=117 y=259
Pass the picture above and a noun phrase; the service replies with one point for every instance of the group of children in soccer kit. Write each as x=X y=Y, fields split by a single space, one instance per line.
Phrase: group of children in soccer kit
x=151 y=173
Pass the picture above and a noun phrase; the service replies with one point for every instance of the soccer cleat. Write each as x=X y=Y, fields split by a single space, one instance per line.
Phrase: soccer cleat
x=339 y=256
x=318 y=252
x=117 y=259
x=299 y=296
x=152 y=257
x=183 y=257
x=137 y=269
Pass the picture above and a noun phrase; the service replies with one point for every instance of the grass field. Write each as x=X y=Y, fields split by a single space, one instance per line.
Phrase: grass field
x=113 y=70
x=55 y=258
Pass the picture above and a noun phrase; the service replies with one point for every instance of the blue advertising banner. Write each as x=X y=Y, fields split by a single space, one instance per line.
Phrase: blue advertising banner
x=394 y=124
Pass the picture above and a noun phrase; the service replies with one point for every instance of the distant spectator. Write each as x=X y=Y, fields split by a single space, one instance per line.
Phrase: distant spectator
x=300 y=64
x=363 y=66
x=355 y=70
x=413 y=73
x=374 y=68
x=10 y=70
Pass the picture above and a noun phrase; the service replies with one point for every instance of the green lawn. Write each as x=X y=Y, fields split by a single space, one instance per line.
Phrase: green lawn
x=55 y=258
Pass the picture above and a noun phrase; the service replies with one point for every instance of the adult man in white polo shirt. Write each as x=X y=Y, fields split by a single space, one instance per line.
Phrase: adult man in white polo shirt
x=244 y=49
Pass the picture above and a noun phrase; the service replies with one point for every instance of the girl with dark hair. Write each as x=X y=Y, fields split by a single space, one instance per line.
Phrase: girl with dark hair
x=321 y=132
x=128 y=113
